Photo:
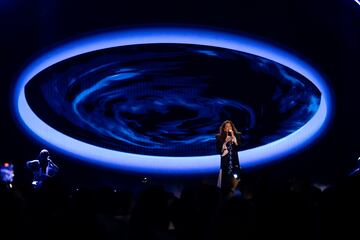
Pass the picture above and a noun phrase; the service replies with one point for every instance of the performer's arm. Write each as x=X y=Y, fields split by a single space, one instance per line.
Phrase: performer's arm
x=53 y=165
x=33 y=164
x=219 y=144
x=237 y=141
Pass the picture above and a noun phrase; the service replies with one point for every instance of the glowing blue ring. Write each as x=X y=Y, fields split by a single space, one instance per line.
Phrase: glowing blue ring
x=142 y=163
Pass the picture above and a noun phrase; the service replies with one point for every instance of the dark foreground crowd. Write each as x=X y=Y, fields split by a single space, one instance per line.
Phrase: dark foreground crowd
x=255 y=209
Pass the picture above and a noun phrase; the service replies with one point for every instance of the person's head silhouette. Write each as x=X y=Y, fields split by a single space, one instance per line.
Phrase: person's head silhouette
x=42 y=168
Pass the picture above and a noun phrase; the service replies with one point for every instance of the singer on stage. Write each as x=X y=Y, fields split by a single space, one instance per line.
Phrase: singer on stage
x=227 y=145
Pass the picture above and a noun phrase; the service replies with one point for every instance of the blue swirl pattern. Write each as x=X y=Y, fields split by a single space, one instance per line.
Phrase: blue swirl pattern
x=169 y=99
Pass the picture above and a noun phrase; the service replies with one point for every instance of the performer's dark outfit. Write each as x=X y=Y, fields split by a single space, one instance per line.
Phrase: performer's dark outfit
x=229 y=164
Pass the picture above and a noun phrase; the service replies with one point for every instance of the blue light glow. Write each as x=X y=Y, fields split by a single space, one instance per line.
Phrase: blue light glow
x=160 y=164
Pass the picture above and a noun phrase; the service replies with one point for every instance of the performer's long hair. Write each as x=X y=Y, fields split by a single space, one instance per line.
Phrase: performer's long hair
x=222 y=133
